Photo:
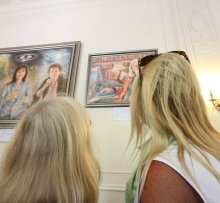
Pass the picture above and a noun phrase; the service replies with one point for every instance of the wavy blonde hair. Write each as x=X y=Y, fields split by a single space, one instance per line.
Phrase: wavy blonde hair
x=169 y=103
x=50 y=159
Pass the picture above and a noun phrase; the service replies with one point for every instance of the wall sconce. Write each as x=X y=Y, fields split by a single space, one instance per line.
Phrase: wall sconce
x=216 y=102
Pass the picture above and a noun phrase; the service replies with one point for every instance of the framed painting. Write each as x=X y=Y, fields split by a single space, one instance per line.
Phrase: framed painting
x=110 y=77
x=28 y=74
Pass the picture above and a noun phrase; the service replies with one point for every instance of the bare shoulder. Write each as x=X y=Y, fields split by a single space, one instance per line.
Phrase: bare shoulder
x=164 y=184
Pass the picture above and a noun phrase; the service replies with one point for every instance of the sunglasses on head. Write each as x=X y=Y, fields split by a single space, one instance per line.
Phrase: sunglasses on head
x=147 y=59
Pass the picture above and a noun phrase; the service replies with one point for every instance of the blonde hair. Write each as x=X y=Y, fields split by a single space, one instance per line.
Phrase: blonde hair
x=132 y=64
x=50 y=159
x=169 y=102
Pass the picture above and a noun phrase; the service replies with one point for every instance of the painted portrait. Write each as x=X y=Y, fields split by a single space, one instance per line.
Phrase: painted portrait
x=110 y=77
x=29 y=74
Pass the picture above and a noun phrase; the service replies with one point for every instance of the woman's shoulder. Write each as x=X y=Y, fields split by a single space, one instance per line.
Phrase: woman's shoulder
x=7 y=85
x=61 y=78
x=164 y=184
x=197 y=170
x=62 y=83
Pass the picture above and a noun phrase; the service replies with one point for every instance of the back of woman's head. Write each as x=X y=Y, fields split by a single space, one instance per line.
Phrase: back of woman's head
x=51 y=158
x=169 y=102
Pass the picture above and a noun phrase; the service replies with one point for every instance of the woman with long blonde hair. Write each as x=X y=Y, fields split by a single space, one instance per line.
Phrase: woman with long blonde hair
x=50 y=159
x=179 y=148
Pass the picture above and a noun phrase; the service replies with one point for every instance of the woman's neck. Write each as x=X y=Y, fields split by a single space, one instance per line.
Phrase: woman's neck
x=53 y=83
x=17 y=82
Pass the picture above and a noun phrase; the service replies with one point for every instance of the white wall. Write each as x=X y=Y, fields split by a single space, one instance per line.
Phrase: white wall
x=118 y=25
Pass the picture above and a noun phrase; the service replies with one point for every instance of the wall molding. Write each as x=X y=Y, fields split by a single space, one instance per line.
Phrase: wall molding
x=112 y=187
x=114 y=180
x=190 y=28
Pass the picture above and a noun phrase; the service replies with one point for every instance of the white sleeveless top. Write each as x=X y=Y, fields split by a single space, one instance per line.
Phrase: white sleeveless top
x=207 y=185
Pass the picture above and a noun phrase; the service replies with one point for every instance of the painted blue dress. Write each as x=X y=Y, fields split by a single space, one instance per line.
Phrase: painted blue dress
x=13 y=108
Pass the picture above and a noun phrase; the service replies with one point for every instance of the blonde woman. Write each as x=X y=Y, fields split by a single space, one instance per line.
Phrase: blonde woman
x=50 y=159
x=123 y=92
x=180 y=149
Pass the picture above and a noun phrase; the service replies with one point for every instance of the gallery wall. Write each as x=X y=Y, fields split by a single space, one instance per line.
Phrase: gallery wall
x=112 y=26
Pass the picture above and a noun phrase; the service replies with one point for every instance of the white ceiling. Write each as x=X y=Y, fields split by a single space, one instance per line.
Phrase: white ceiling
x=3 y=2
x=9 y=8
x=8 y=2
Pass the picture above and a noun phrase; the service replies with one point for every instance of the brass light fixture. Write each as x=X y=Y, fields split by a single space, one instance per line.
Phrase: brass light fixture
x=216 y=102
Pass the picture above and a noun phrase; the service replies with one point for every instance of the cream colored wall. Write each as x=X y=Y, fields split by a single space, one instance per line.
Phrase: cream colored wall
x=109 y=26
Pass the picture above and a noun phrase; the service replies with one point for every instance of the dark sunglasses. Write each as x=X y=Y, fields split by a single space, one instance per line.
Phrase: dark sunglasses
x=147 y=59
